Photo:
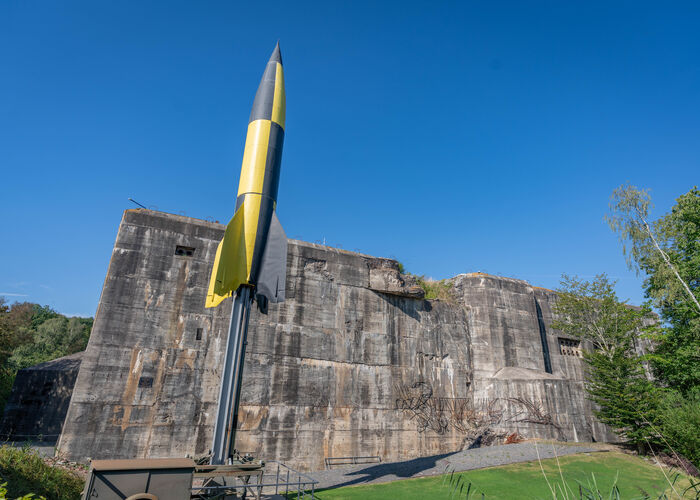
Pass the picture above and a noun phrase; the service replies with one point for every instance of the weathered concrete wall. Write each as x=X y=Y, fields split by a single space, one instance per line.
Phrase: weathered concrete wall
x=39 y=400
x=323 y=367
x=508 y=320
x=148 y=386
x=355 y=362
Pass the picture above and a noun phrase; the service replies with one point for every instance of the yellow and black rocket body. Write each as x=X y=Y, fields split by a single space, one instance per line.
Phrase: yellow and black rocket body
x=253 y=250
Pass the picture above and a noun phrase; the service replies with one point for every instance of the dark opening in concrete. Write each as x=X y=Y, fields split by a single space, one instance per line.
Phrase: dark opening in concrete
x=570 y=347
x=183 y=251
x=146 y=382
x=543 y=338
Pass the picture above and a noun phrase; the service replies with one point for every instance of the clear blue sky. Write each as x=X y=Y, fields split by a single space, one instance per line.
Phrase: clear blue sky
x=456 y=137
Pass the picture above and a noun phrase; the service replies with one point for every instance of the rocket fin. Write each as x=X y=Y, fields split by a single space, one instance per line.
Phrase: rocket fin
x=273 y=270
x=230 y=265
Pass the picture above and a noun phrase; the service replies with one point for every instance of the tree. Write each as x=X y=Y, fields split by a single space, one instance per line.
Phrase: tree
x=53 y=338
x=610 y=331
x=11 y=320
x=667 y=251
x=5 y=332
x=649 y=246
x=31 y=334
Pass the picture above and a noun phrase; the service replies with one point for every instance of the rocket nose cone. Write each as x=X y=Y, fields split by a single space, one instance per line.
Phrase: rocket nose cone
x=276 y=54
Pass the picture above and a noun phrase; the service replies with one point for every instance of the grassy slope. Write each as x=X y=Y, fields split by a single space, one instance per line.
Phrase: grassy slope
x=525 y=481
x=25 y=472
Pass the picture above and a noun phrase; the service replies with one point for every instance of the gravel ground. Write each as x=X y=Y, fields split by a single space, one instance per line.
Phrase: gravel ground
x=477 y=458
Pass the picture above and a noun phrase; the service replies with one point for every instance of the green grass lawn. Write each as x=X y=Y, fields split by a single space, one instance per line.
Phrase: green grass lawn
x=526 y=481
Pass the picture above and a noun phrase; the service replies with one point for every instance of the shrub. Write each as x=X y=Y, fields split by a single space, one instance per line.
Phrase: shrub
x=28 y=496
x=679 y=418
x=441 y=290
x=25 y=471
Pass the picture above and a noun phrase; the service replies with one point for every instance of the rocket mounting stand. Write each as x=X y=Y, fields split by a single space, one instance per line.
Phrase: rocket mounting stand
x=231 y=378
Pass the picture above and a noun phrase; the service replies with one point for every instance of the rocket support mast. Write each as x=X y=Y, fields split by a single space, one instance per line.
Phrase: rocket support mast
x=231 y=378
x=251 y=259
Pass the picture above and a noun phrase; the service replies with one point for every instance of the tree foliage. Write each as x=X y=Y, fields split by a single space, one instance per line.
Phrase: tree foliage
x=31 y=334
x=610 y=331
x=667 y=251
x=637 y=407
x=52 y=339
x=679 y=422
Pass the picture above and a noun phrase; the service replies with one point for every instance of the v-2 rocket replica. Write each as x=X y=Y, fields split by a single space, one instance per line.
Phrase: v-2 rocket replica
x=251 y=260
x=253 y=251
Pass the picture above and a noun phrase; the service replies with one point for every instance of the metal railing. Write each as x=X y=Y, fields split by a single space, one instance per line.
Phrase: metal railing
x=330 y=461
x=284 y=481
x=304 y=483
x=29 y=437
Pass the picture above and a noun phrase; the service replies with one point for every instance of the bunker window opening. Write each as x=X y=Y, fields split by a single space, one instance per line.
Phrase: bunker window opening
x=184 y=251
x=146 y=382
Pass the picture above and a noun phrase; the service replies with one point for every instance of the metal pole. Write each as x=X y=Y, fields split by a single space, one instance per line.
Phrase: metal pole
x=277 y=480
x=231 y=377
x=247 y=300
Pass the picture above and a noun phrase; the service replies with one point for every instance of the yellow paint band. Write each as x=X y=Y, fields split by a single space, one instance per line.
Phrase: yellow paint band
x=251 y=218
x=254 y=157
x=279 y=101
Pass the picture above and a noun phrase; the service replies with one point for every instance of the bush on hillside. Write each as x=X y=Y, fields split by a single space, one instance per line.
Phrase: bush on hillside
x=31 y=334
x=23 y=471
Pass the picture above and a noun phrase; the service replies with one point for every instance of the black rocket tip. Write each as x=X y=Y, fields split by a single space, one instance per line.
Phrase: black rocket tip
x=276 y=54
